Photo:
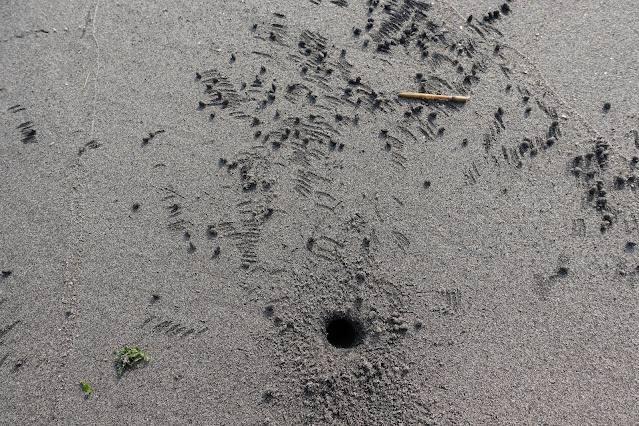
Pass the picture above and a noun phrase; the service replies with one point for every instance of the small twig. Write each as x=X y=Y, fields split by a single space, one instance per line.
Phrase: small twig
x=432 y=96
x=86 y=80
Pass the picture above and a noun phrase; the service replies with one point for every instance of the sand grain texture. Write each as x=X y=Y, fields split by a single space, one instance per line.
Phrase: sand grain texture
x=217 y=182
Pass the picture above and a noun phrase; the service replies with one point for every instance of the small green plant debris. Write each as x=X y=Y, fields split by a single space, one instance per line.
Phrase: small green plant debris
x=86 y=387
x=129 y=357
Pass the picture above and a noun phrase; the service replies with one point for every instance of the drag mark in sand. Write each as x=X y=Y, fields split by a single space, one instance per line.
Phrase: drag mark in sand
x=8 y=328
x=26 y=129
x=172 y=329
x=25 y=34
x=172 y=201
x=6 y=339
x=8 y=343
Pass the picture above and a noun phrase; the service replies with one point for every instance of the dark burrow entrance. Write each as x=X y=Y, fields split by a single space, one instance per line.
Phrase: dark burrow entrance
x=343 y=332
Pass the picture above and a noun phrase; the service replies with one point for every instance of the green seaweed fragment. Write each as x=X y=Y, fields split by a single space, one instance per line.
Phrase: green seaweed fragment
x=129 y=357
x=86 y=387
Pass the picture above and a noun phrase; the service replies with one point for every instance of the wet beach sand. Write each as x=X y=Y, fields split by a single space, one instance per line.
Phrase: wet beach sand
x=235 y=187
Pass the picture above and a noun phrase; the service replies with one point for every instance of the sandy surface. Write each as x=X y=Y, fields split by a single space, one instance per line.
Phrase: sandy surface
x=217 y=182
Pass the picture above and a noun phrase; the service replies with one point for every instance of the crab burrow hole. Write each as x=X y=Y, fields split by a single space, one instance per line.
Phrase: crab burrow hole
x=342 y=331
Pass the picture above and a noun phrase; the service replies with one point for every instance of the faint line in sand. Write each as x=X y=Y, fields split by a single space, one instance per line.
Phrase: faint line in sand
x=97 y=69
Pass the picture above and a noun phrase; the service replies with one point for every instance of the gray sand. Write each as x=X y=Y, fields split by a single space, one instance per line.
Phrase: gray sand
x=222 y=182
